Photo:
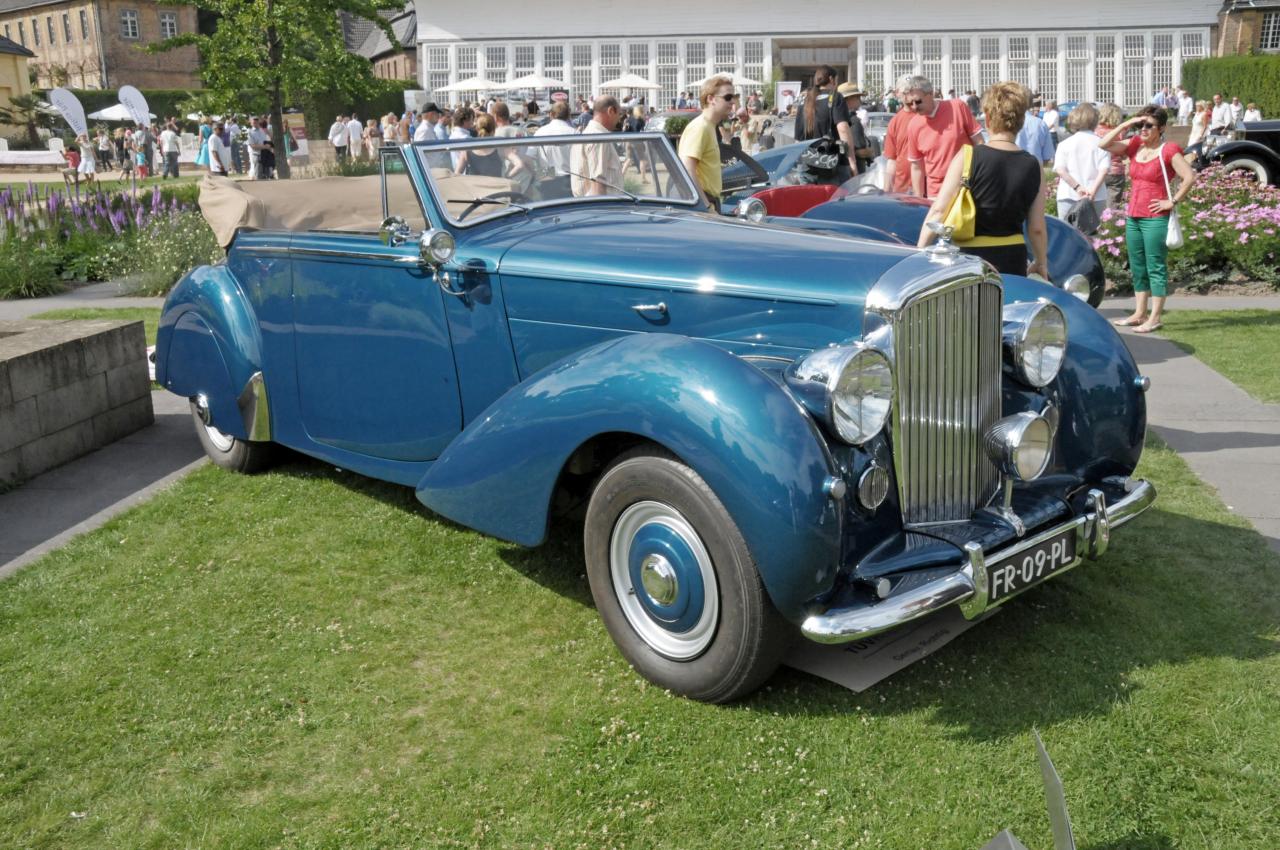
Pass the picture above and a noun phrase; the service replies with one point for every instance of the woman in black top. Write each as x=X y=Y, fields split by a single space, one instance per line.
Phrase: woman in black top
x=824 y=115
x=1008 y=190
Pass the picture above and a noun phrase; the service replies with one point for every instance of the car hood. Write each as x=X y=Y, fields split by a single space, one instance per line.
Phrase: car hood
x=705 y=253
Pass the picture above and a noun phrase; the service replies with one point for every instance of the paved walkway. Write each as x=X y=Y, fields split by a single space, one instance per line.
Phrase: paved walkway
x=1229 y=439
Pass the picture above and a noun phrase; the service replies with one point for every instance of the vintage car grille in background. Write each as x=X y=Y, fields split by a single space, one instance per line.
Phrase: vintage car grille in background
x=947 y=346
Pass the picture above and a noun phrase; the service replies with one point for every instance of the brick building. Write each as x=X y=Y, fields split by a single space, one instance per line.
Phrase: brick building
x=398 y=59
x=97 y=43
x=1249 y=26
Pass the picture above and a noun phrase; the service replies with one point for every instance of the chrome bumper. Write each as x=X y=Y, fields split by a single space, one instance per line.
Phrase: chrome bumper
x=968 y=587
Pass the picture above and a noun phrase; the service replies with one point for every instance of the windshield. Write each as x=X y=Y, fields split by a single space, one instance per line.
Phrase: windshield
x=477 y=179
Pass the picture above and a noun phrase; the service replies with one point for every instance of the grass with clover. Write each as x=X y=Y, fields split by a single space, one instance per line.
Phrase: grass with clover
x=308 y=659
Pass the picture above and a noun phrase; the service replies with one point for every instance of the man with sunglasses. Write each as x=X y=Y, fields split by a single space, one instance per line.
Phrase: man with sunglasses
x=936 y=134
x=700 y=141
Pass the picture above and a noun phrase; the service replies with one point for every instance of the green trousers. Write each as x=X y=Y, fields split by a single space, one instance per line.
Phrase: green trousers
x=1148 y=255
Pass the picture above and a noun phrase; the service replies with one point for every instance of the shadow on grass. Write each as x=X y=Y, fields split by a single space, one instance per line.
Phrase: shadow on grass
x=1173 y=590
x=1135 y=842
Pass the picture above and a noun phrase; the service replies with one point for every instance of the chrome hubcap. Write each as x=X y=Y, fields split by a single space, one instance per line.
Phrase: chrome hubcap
x=664 y=580
x=659 y=579
x=220 y=441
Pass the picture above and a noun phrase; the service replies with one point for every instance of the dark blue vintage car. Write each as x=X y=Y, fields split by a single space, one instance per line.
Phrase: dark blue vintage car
x=770 y=429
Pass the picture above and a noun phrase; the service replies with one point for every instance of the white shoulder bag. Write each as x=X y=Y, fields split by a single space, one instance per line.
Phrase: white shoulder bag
x=1174 y=237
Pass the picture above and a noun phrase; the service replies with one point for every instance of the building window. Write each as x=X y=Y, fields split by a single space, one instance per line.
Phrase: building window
x=668 y=73
x=437 y=70
x=1047 y=66
x=553 y=61
x=1020 y=59
x=931 y=61
x=48 y=23
x=695 y=65
x=1270 y=39
x=66 y=27
x=495 y=63
x=1077 y=67
x=638 y=60
x=1135 y=69
x=753 y=60
x=128 y=23
x=989 y=63
x=610 y=64
x=961 y=68
x=35 y=31
x=6 y=32
x=726 y=58
x=168 y=24
x=904 y=59
x=1162 y=64
x=22 y=33
x=525 y=59
x=872 y=65
x=84 y=24
x=581 y=78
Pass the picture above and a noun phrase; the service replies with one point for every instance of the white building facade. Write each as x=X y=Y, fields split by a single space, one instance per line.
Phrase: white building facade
x=1088 y=50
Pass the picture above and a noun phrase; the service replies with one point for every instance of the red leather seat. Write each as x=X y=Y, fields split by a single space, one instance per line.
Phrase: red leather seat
x=795 y=200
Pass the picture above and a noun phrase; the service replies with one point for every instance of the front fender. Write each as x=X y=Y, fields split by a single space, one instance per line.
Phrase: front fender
x=1244 y=147
x=1103 y=410
x=746 y=436
x=208 y=342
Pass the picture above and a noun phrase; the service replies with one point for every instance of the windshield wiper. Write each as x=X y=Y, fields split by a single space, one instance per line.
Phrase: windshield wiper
x=501 y=201
x=603 y=183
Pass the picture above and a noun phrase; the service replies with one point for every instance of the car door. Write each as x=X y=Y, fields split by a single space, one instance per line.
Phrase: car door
x=375 y=363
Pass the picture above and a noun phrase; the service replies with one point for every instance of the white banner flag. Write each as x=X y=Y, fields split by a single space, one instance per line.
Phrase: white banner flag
x=133 y=101
x=69 y=105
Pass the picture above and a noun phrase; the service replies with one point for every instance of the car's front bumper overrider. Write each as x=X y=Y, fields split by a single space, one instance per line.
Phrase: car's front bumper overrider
x=968 y=586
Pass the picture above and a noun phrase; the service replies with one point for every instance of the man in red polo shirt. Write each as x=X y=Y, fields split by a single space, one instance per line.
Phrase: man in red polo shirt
x=898 y=168
x=938 y=131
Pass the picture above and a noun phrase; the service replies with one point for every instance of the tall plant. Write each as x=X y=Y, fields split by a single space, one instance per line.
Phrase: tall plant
x=281 y=46
x=26 y=111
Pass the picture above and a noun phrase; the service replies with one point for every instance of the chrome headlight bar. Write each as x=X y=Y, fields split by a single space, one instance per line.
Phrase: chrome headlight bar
x=847 y=387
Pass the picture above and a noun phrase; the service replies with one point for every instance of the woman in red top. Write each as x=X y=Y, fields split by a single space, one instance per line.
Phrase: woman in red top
x=1147 y=218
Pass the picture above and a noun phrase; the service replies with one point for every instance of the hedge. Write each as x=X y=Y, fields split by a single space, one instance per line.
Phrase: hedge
x=1253 y=79
x=162 y=102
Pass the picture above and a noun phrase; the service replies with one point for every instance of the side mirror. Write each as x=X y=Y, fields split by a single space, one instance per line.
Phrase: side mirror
x=436 y=247
x=394 y=230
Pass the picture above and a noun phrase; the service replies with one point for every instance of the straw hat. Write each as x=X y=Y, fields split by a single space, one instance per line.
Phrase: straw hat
x=849 y=90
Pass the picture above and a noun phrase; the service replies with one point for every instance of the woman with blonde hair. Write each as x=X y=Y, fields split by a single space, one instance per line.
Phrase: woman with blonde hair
x=372 y=138
x=487 y=162
x=1081 y=165
x=1200 y=123
x=1008 y=190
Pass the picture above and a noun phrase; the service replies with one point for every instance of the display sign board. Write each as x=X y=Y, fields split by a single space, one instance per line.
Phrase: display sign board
x=72 y=112
x=295 y=124
x=134 y=101
x=785 y=94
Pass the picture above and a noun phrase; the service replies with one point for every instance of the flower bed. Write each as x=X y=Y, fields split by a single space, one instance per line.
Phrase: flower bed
x=49 y=236
x=1230 y=228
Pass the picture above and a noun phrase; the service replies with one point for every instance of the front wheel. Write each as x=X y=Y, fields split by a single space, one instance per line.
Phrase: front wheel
x=675 y=584
x=227 y=451
x=1250 y=166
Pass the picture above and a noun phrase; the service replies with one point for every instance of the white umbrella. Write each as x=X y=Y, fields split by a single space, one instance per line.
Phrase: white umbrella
x=473 y=84
x=534 y=81
x=116 y=112
x=738 y=80
x=629 y=81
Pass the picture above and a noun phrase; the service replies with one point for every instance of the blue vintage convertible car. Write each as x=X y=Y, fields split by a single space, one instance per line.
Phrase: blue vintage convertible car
x=766 y=430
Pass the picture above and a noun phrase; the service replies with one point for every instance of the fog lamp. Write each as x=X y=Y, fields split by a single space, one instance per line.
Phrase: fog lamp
x=1020 y=445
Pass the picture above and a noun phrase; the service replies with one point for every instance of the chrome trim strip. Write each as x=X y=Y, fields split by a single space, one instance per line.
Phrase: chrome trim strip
x=255 y=409
x=672 y=284
x=841 y=625
x=405 y=260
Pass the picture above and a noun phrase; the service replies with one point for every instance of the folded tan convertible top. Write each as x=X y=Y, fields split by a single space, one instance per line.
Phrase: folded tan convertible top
x=328 y=203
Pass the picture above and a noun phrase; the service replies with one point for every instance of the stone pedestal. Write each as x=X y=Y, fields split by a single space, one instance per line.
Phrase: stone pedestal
x=67 y=388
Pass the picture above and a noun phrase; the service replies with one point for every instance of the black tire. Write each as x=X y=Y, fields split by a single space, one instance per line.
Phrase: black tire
x=731 y=650
x=1256 y=167
x=230 y=452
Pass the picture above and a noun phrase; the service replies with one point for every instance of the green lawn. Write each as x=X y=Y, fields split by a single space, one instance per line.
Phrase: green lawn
x=307 y=659
x=1242 y=345
x=150 y=316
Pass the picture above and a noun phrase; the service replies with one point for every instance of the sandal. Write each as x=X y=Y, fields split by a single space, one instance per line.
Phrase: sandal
x=1148 y=328
x=1128 y=322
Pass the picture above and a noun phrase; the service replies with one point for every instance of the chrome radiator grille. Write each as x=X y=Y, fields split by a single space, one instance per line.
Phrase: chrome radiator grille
x=947 y=347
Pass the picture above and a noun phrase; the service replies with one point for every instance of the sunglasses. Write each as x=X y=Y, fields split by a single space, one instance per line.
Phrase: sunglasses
x=728 y=98
x=1147 y=125
x=915 y=102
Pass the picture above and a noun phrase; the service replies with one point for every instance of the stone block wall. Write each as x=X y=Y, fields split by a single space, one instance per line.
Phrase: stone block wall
x=67 y=388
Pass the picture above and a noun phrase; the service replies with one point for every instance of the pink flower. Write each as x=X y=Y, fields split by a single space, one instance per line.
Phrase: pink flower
x=1244 y=237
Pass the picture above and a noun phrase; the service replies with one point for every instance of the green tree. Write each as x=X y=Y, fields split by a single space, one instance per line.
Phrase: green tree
x=281 y=47
x=26 y=111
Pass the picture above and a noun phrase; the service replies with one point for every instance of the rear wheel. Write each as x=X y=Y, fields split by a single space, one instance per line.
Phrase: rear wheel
x=1248 y=165
x=227 y=451
x=675 y=584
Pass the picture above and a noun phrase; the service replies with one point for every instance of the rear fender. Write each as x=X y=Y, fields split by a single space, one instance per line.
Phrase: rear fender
x=746 y=436
x=1231 y=150
x=208 y=343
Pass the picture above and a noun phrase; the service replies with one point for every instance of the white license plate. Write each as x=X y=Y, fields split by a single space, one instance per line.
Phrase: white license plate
x=1018 y=572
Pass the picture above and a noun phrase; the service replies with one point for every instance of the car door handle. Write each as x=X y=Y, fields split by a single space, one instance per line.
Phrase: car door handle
x=660 y=308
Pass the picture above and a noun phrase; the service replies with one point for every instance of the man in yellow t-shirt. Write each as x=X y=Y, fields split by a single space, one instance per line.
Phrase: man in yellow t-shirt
x=700 y=141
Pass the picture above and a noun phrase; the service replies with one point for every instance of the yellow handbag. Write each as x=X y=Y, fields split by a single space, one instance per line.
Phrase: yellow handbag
x=963 y=213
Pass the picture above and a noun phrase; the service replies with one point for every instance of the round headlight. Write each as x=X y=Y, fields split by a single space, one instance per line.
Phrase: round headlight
x=860 y=396
x=1020 y=445
x=1077 y=285
x=437 y=247
x=1035 y=335
x=752 y=209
